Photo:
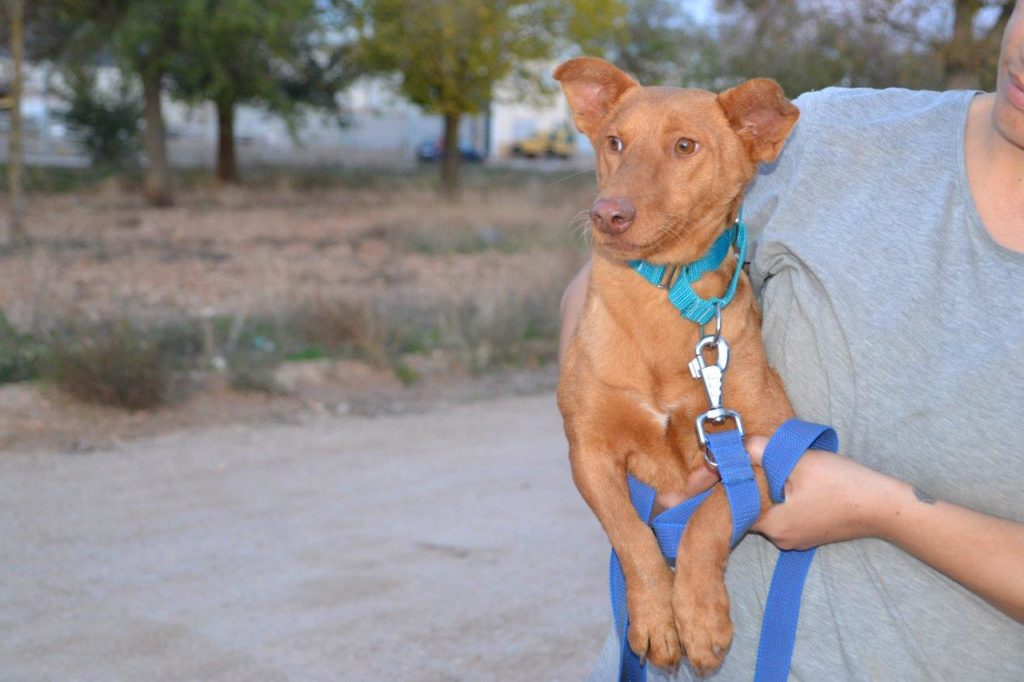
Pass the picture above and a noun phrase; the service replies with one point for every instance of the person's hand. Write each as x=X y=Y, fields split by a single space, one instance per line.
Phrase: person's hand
x=697 y=482
x=828 y=498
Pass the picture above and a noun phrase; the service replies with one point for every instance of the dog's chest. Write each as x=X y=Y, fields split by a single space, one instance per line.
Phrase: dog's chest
x=650 y=361
x=664 y=445
x=670 y=402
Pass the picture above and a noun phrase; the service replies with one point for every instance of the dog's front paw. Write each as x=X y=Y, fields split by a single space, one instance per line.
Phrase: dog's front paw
x=701 y=608
x=652 y=631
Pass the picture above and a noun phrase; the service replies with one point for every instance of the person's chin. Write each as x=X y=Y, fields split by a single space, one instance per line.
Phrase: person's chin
x=1008 y=111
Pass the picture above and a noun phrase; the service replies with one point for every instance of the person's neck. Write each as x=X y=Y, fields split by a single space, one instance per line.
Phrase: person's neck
x=995 y=173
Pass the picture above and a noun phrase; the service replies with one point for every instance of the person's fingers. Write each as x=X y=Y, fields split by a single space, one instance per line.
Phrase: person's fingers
x=697 y=482
x=755 y=448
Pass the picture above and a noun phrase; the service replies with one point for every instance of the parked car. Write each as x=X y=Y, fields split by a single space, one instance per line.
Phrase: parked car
x=432 y=150
x=560 y=143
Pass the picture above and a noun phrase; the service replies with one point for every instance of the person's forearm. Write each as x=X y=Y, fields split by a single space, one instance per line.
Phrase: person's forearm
x=983 y=553
x=831 y=498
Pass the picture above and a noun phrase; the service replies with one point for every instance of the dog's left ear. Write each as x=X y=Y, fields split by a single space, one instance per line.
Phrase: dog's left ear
x=593 y=88
x=761 y=115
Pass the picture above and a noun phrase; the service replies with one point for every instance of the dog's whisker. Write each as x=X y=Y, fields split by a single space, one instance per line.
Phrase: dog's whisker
x=573 y=175
x=585 y=213
x=578 y=222
x=672 y=225
x=585 y=237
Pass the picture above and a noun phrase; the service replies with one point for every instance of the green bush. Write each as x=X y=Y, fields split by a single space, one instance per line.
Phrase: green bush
x=114 y=363
x=21 y=355
x=254 y=373
x=109 y=125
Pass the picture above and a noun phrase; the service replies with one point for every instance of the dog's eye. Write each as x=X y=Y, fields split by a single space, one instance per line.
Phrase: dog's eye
x=686 y=146
x=614 y=143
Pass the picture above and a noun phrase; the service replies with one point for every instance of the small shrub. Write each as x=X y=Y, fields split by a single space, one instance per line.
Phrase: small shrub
x=253 y=372
x=496 y=329
x=21 y=355
x=114 y=364
x=344 y=327
x=109 y=125
x=180 y=344
x=487 y=329
x=307 y=353
x=406 y=374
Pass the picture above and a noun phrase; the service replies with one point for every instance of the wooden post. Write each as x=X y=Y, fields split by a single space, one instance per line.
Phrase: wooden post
x=158 y=178
x=16 y=232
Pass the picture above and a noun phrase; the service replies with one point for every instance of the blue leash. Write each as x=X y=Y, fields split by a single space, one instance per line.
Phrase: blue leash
x=778 y=629
x=782 y=609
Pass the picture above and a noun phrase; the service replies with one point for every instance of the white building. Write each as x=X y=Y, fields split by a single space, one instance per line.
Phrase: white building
x=380 y=128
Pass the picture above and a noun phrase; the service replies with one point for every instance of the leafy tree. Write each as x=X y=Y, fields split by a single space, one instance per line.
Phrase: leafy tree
x=147 y=39
x=142 y=36
x=810 y=44
x=109 y=124
x=46 y=27
x=272 y=53
x=451 y=53
x=962 y=35
x=656 y=43
x=807 y=45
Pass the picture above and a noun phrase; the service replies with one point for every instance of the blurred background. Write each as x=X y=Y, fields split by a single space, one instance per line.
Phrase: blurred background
x=279 y=289
x=318 y=203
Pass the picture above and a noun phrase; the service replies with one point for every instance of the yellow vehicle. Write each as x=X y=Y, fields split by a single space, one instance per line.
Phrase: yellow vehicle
x=559 y=143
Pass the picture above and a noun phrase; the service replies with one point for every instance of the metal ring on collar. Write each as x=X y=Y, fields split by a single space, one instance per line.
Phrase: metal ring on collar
x=668 y=277
x=718 y=324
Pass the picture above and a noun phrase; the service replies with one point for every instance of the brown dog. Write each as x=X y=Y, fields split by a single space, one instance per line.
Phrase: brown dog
x=672 y=165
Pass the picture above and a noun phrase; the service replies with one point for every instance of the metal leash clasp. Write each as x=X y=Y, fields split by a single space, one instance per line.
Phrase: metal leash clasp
x=712 y=376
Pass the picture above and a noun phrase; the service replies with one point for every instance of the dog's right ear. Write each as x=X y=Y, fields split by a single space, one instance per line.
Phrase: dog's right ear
x=592 y=86
x=761 y=115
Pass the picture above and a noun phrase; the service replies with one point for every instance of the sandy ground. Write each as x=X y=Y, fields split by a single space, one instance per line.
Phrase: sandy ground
x=443 y=545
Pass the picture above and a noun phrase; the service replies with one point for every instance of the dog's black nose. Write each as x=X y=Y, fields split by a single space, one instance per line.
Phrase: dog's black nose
x=612 y=216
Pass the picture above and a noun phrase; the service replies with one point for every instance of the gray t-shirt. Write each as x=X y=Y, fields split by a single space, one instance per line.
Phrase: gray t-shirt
x=892 y=315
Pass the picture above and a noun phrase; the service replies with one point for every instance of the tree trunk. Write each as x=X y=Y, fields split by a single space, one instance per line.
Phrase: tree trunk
x=226 y=169
x=16 y=234
x=450 y=162
x=961 y=57
x=158 y=185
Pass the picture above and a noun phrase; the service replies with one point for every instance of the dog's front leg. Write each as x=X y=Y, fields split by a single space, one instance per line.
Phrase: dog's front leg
x=602 y=482
x=699 y=600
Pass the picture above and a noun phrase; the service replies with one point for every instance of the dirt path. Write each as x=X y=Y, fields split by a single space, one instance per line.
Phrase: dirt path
x=439 y=546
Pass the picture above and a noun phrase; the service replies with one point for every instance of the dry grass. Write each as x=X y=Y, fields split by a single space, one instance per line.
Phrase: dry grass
x=297 y=268
x=113 y=363
x=100 y=255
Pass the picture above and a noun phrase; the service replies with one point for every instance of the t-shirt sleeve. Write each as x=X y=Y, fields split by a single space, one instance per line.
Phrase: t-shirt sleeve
x=774 y=179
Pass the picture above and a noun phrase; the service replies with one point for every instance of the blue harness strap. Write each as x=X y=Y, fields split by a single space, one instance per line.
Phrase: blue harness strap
x=738 y=479
x=782 y=609
x=668 y=527
x=744 y=500
x=778 y=631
